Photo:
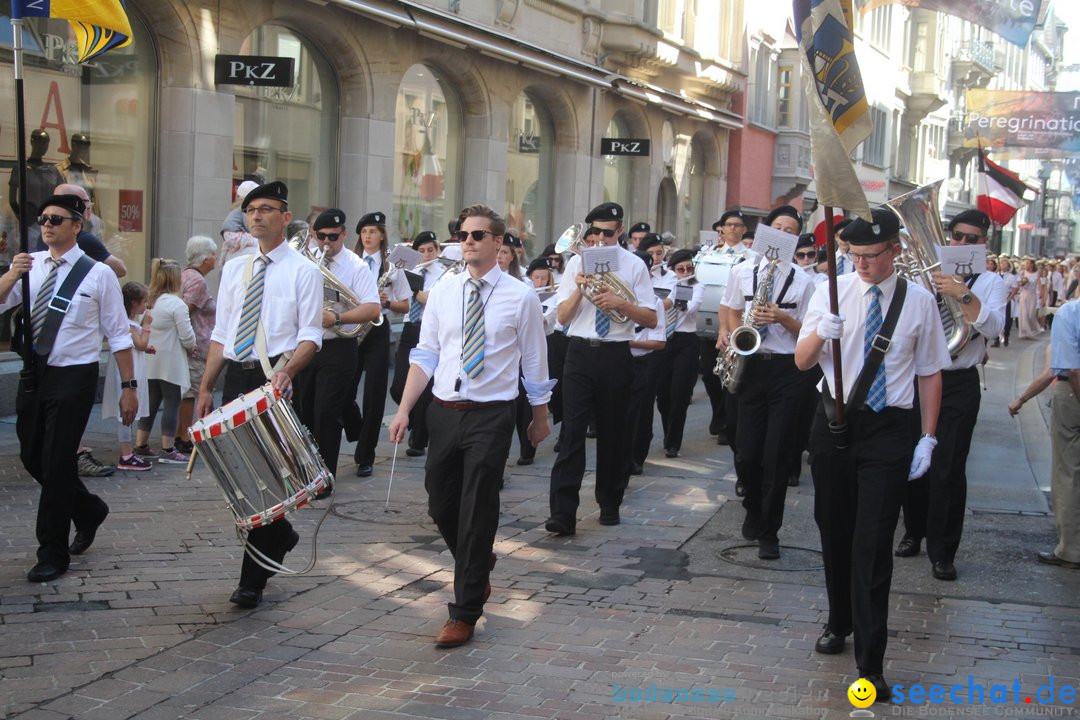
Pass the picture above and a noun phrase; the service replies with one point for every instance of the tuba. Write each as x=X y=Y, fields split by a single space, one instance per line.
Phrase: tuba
x=573 y=240
x=918 y=211
x=337 y=297
x=745 y=339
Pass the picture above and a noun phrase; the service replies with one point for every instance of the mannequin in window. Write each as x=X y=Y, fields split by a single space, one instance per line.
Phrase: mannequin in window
x=41 y=178
x=77 y=170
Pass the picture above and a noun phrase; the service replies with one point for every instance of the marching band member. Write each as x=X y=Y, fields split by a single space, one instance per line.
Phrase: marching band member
x=597 y=372
x=679 y=372
x=657 y=364
x=636 y=234
x=373 y=361
x=52 y=413
x=319 y=400
x=935 y=504
x=544 y=276
x=770 y=386
x=806 y=256
x=858 y=490
x=644 y=349
x=427 y=244
x=481 y=331
x=271 y=299
x=507 y=258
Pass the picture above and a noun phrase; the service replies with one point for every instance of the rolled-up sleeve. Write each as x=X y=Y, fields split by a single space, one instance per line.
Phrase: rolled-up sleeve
x=225 y=303
x=991 y=320
x=532 y=344
x=1065 y=339
x=426 y=353
x=309 y=293
x=114 y=322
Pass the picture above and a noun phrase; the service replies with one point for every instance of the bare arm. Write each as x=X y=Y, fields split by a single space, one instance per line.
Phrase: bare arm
x=116 y=265
x=1037 y=386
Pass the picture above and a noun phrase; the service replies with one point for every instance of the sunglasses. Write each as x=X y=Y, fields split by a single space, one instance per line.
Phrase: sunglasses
x=968 y=238
x=328 y=237
x=53 y=219
x=476 y=235
x=606 y=232
x=806 y=255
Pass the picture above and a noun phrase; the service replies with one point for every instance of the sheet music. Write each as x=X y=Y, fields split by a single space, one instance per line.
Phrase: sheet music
x=600 y=259
x=774 y=244
x=962 y=259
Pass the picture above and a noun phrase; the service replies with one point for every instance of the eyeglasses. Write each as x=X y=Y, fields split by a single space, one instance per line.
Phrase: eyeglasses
x=606 y=232
x=733 y=225
x=476 y=235
x=684 y=269
x=328 y=237
x=53 y=219
x=807 y=255
x=966 y=238
x=262 y=210
x=866 y=257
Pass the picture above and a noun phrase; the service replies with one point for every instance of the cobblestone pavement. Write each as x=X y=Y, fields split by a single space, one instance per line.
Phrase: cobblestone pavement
x=576 y=627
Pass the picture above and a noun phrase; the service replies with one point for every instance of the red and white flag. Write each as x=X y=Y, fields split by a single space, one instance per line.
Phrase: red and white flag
x=1001 y=192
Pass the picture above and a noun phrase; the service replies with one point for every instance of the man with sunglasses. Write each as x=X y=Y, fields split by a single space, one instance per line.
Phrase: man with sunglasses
x=319 y=400
x=597 y=375
x=65 y=332
x=278 y=293
x=935 y=504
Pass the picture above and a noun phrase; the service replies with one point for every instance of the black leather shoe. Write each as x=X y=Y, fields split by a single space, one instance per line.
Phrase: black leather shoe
x=751 y=529
x=324 y=493
x=768 y=549
x=558 y=446
x=85 y=538
x=414 y=452
x=246 y=597
x=591 y=434
x=1050 y=558
x=558 y=526
x=830 y=643
x=740 y=489
x=364 y=470
x=524 y=461
x=609 y=516
x=44 y=572
x=944 y=570
x=908 y=547
x=884 y=692
x=671 y=453
x=636 y=469
x=793 y=481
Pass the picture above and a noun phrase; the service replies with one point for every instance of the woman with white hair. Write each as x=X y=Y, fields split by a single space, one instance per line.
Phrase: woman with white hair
x=202 y=253
x=236 y=239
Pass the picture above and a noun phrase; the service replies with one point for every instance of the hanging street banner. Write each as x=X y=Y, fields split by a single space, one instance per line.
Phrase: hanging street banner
x=1023 y=124
x=1013 y=20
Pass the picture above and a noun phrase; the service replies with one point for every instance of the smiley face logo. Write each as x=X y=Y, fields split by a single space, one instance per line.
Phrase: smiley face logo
x=862 y=693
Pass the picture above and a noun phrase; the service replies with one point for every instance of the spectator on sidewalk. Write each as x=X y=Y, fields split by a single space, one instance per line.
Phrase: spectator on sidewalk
x=136 y=298
x=202 y=255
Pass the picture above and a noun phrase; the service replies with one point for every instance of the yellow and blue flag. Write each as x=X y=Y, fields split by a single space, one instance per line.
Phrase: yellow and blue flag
x=99 y=25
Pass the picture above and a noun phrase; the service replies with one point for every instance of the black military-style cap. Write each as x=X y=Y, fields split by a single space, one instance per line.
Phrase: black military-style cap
x=74 y=203
x=276 y=190
x=330 y=218
x=883 y=225
x=422 y=237
x=605 y=211
x=971 y=217
x=805 y=240
x=372 y=218
x=783 y=210
x=512 y=240
x=640 y=227
x=726 y=216
x=649 y=241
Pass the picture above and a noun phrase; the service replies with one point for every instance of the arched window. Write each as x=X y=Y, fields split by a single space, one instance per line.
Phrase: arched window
x=693 y=192
x=529 y=171
x=427 y=155
x=618 y=177
x=289 y=133
x=667 y=212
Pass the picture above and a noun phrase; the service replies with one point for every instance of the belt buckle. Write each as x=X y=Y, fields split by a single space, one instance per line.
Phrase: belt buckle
x=881 y=343
x=248 y=364
x=54 y=304
x=594 y=342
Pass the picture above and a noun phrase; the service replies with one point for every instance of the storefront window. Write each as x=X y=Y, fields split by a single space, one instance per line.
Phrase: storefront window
x=529 y=173
x=617 y=173
x=289 y=133
x=97 y=121
x=427 y=159
x=693 y=190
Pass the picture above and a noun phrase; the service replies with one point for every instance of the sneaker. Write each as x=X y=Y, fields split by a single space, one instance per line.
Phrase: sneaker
x=145 y=452
x=89 y=467
x=184 y=446
x=172 y=456
x=133 y=462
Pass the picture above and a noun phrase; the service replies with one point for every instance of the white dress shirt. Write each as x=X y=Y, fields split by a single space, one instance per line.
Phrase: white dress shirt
x=688 y=317
x=96 y=310
x=431 y=275
x=654 y=334
x=990 y=290
x=631 y=271
x=778 y=339
x=347 y=267
x=550 y=308
x=844 y=264
x=918 y=341
x=291 y=308
x=513 y=338
x=398 y=287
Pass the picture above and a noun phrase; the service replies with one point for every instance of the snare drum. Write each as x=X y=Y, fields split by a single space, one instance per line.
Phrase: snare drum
x=262 y=457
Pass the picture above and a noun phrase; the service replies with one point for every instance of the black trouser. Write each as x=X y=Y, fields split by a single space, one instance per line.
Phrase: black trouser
x=935 y=503
x=50 y=424
x=707 y=354
x=595 y=378
x=418 y=430
x=374 y=364
x=464 y=467
x=676 y=385
x=857 y=495
x=639 y=416
x=767 y=398
x=1008 y=321
x=557 y=343
x=319 y=401
x=272 y=540
x=806 y=408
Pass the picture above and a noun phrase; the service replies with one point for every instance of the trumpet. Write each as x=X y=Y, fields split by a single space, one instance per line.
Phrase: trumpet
x=573 y=240
x=337 y=297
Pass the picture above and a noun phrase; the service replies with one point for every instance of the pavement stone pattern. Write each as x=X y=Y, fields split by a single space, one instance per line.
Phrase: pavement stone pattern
x=141 y=627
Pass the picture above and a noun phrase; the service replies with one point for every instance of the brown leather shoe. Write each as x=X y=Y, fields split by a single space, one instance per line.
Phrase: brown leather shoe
x=454 y=634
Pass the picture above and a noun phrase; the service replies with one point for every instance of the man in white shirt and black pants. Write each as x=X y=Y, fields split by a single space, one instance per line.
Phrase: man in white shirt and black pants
x=319 y=399
x=597 y=376
x=285 y=294
x=858 y=489
x=935 y=504
x=480 y=327
x=66 y=340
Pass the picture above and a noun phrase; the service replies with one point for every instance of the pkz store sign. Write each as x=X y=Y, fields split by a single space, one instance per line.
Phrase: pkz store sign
x=254 y=70
x=624 y=146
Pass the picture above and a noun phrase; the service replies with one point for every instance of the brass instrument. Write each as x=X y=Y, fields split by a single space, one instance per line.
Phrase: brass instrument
x=573 y=240
x=918 y=259
x=337 y=297
x=745 y=339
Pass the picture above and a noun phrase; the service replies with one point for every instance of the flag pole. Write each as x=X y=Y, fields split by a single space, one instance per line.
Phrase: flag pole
x=27 y=374
x=838 y=427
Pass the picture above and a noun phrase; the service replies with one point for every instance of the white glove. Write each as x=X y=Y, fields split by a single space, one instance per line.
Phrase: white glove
x=830 y=327
x=920 y=461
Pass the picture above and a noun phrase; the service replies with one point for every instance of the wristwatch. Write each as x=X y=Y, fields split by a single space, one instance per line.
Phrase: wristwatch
x=132 y=384
x=966 y=298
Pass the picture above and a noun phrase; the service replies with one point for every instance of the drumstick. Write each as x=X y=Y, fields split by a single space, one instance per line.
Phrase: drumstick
x=191 y=460
x=393 y=463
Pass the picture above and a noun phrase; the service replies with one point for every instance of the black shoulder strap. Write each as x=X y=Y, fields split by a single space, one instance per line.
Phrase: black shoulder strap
x=60 y=303
x=783 y=291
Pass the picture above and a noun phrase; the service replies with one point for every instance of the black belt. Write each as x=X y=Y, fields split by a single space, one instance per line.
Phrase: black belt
x=773 y=356
x=972 y=369
x=469 y=404
x=253 y=364
x=1062 y=377
x=594 y=342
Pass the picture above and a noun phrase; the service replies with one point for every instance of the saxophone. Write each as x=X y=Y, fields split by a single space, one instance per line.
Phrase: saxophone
x=745 y=339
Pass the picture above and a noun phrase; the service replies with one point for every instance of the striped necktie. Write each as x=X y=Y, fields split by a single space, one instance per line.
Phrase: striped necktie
x=415 y=308
x=601 y=323
x=875 y=398
x=370 y=260
x=671 y=319
x=472 y=348
x=249 y=315
x=44 y=295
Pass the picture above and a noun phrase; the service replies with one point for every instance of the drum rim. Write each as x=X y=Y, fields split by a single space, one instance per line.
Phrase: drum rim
x=219 y=420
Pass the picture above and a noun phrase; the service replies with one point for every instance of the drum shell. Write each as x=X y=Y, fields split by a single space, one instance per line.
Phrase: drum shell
x=712 y=272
